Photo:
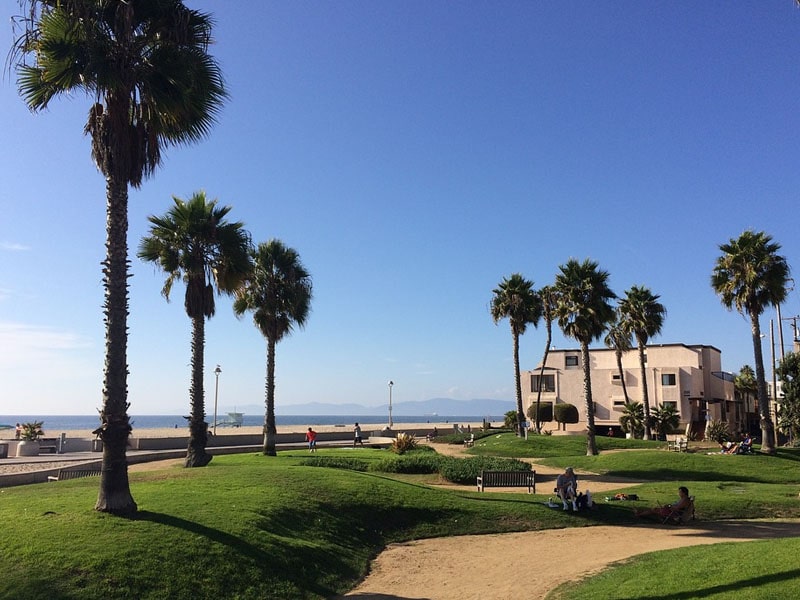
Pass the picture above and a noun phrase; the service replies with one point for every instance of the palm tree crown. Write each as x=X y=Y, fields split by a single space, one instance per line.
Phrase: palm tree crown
x=194 y=243
x=750 y=275
x=584 y=310
x=144 y=62
x=278 y=292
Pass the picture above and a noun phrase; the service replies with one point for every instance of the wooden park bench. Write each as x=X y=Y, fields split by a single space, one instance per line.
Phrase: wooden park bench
x=470 y=441
x=65 y=474
x=507 y=479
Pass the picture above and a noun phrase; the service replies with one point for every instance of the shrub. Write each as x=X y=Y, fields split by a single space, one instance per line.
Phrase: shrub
x=632 y=419
x=418 y=463
x=718 y=432
x=403 y=443
x=510 y=419
x=335 y=462
x=31 y=431
x=545 y=412
x=465 y=470
x=565 y=413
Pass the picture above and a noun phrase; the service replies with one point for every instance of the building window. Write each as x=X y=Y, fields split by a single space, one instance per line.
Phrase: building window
x=548 y=383
x=571 y=361
x=674 y=405
x=615 y=378
x=667 y=379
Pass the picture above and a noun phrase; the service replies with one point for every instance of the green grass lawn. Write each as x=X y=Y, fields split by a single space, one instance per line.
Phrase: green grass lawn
x=249 y=526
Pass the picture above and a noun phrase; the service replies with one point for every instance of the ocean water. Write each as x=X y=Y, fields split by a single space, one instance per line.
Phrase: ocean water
x=56 y=423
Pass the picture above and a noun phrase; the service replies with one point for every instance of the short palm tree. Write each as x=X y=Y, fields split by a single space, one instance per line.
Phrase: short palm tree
x=278 y=293
x=665 y=419
x=619 y=339
x=153 y=84
x=194 y=243
x=642 y=315
x=584 y=312
x=514 y=299
x=632 y=419
x=549 y=300
x=746 y=388
x=750 y=275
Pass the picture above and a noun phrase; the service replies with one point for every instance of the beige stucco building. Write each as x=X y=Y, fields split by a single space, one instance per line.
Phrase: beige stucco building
x=688 y=376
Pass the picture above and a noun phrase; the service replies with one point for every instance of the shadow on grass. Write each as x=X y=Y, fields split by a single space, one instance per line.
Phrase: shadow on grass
x=235 y=543
x=734 y=588
x=271 y=564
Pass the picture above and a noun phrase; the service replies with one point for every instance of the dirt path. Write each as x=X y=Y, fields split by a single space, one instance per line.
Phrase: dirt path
x=463 y=568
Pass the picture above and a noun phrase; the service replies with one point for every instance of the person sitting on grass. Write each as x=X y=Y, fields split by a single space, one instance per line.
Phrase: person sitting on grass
x=566 y=487
x=746 y=447
x=682 y=503
x=729 y=448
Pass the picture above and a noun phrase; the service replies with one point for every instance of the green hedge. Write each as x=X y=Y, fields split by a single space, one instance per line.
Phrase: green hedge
x=335 y=462
x=465 y=471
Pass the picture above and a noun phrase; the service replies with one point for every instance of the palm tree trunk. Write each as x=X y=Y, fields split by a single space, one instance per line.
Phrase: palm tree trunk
x=591 y=443
x=622 y=376
x=196 y=455
x=541 y=375
x=270 y=431
x=520 y=413
x=767 y=427
x=645 y=397
x=115 y=495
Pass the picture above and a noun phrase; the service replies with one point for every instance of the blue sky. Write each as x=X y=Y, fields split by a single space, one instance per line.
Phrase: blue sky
x=415 y=153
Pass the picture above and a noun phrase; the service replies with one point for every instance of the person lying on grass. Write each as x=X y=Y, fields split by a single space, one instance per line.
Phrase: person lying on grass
x=681 y=504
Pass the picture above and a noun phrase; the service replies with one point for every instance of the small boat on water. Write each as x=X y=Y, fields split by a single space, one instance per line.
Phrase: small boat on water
x=234 y=419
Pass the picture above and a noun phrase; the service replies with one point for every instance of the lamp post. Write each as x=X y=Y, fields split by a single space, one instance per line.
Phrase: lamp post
x=391 y=383
x=217 y=371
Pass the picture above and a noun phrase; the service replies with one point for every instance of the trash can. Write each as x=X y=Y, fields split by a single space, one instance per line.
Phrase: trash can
x=3 y=450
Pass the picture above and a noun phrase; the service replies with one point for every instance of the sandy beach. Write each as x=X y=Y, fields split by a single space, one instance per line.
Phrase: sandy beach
x=345 y=429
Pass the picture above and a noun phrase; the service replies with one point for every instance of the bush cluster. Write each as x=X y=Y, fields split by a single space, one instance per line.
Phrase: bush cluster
x=465 y=470
x=411 y=463
x=335 y=462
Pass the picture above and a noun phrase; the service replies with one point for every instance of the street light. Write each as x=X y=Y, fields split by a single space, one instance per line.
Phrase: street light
x=391 y=383
x=217 y=371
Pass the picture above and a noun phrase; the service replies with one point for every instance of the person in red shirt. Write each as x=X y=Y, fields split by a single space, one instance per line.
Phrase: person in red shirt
x=311 y=438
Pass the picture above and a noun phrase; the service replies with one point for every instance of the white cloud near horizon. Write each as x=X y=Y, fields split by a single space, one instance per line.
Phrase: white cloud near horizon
x=24 y=346
x=14 y=247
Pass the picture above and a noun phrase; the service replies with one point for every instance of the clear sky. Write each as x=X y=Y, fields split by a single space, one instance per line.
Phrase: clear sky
x=415 y=153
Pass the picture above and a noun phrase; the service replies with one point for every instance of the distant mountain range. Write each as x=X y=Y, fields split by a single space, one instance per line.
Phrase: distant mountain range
x=434 y=406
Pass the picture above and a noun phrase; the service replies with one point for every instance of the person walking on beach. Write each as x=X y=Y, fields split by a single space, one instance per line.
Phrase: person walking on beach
x=311 y=438
x=18 y=431
x=357 y=436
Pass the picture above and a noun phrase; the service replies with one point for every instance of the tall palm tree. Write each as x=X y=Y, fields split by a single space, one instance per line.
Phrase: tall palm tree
x=642 y=315
x=278 y=293
x=515 y=299
x=619 y=339
x=194 y=243
x=146 y=66
x=549 y=300
x=584 y=313
x=750 y=275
